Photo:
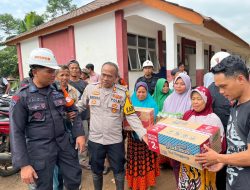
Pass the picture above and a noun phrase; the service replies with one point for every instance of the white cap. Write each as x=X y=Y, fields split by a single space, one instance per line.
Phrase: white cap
x=43 y=57
x=217 y=58
x=147 y=63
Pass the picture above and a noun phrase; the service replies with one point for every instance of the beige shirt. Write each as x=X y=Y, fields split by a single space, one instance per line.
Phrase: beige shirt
x=107 y=114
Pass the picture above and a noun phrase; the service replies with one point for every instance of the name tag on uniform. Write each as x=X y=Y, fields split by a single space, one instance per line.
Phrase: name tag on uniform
x=94 y=101
x=115 y=100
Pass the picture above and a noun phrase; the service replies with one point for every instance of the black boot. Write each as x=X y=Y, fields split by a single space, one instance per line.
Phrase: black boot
x=119 y=180
x=98 y=181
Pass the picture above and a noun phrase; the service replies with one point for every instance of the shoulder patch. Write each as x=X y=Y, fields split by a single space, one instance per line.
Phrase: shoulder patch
x=14 y=100
x=120 y=87
x=128 y=106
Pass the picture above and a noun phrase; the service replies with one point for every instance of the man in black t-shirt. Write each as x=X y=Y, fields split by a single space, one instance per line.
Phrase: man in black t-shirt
x=75 y=73
x=232 y=79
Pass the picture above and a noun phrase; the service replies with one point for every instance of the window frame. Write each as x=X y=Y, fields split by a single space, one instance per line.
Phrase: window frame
x=137 y=47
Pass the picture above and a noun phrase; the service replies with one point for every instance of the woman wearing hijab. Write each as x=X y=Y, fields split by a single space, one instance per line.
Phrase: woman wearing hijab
x=142 y=164
x=178 y=102
x=201 y=112
x=162 y=91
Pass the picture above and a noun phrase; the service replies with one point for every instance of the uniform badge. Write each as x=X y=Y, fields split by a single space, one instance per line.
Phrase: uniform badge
x=93 y=102
x=114 y=105
x=38 y=116
x=117 y=96
x=114 y=110
x=96 y=93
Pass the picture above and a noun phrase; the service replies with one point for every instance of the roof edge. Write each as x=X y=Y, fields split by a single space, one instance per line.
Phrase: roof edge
x=176 y=10
x=68 y=22
x=221 y=30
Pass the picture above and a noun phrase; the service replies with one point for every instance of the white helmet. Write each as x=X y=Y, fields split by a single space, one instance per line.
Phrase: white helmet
x=147 y=63
x=217 y=58
x=43 y=57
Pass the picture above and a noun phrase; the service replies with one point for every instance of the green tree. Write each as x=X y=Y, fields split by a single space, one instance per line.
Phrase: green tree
x=56 y=8
x=8 y=24
x=8 y=62
x=31 y=20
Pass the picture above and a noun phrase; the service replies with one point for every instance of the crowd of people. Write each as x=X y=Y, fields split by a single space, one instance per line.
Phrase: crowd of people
x=61 y=110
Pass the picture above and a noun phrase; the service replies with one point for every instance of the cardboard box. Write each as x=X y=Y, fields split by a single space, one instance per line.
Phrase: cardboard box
x=181 y=140
x=146 y=115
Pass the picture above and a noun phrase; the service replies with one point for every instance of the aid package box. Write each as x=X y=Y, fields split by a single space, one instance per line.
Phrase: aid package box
x=146 y=115
x=182 y=140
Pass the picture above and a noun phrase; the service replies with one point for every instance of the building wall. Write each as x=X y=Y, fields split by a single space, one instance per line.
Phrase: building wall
x=147 y=23
x=59 y=43
x=95 y=41
x=27 y=46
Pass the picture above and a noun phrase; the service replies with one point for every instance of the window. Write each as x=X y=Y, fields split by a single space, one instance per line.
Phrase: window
x=133 y=58
x=140 y=49
x=132 y=40
x=142 y=42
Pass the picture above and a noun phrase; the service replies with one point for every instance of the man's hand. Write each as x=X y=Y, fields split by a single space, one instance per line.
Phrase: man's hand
x=71 y=115
x=208 y=158
x=215 y=167
x=28 y=174
x=80 y=143
x=145 y=139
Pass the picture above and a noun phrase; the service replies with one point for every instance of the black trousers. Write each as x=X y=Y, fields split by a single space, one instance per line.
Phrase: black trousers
x=68 y=163
x=115 y=153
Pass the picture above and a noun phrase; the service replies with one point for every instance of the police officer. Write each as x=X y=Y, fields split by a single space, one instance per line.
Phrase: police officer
x=38 y=137
x=149 y=77
x=109 y=103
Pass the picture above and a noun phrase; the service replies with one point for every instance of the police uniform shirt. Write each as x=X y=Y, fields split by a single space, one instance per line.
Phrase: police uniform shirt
x=108 y=106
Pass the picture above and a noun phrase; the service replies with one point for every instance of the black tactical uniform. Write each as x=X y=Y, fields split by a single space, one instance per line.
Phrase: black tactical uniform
x=151 y=82
x=38 y=136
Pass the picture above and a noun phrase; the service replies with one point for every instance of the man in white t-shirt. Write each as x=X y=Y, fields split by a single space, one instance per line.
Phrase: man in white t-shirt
x=4 y=86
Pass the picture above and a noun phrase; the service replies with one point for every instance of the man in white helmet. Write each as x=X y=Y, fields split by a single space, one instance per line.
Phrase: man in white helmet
x=38 y=137
x=148 y=77
x=217 y=58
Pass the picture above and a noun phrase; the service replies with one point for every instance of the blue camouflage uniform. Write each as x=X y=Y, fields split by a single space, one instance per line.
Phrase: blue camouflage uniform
x=39 y=138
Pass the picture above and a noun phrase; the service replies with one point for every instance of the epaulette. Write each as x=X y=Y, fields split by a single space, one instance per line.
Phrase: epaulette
x=123 y=88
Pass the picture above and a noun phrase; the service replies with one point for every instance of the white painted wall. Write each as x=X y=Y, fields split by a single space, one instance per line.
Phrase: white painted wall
x=152 y=21
x=26 y=47
x=133 y=76
x=95 y=41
